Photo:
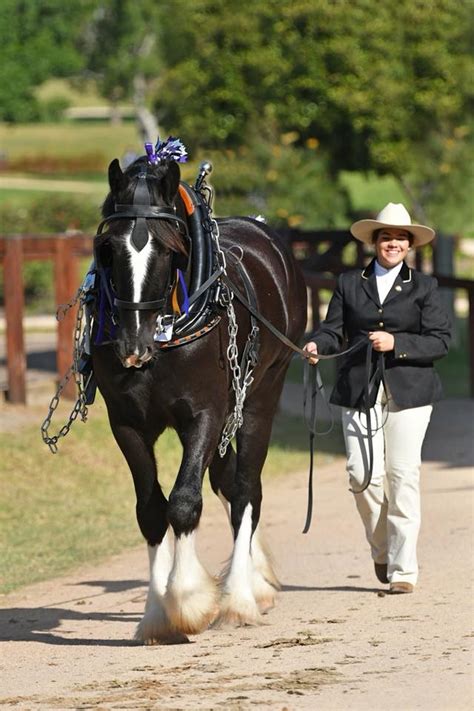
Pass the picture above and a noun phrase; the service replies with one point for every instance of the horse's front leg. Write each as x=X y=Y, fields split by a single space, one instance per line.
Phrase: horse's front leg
x=191 y=598
x=155 y=626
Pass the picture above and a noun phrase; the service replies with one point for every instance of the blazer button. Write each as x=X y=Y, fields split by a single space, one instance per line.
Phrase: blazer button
x=380 y=323
x=380 y=311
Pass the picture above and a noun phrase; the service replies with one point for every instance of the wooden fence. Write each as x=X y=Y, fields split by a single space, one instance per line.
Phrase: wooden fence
x=320 y=254
x=65 y=251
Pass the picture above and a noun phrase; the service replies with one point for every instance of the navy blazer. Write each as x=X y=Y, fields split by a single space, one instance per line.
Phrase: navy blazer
x=412 y=312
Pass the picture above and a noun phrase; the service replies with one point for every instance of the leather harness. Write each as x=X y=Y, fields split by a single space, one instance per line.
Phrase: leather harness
x=205 y=281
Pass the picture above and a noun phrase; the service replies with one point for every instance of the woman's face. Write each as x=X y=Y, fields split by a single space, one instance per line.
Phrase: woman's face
x=391 y=246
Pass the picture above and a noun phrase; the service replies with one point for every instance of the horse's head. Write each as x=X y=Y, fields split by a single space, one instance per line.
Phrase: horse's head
x=143 y=246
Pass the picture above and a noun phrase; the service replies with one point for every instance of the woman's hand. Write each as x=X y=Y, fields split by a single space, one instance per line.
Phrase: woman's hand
x=381 y=341
x=311 y=347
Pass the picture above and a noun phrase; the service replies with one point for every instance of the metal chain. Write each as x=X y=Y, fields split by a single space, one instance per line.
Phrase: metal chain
x=80 y=407
x=239 y=385
x=62 y=309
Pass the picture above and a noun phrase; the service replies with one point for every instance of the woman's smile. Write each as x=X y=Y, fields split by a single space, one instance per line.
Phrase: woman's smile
x=392 y=246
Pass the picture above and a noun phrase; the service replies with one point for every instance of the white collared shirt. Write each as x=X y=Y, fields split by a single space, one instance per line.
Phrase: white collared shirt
x=385 y=279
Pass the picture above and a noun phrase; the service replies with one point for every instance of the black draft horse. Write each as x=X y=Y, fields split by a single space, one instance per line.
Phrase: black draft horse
x=189 y=388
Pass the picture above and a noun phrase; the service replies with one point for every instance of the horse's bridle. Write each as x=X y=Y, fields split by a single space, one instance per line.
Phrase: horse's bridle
x=139 y=211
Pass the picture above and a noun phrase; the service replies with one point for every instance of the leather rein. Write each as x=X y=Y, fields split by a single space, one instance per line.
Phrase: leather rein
x=317 y=386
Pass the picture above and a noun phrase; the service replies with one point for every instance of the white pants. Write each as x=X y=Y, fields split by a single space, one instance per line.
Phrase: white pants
x=390 y=506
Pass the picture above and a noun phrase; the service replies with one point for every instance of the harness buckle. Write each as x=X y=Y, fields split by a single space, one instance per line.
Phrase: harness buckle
x=223 y=295
x=164 y=328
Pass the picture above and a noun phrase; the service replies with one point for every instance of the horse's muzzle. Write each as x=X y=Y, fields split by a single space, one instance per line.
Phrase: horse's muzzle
x=136 y=361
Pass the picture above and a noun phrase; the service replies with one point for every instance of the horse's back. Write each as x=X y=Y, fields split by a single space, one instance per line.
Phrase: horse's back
x=275 y=276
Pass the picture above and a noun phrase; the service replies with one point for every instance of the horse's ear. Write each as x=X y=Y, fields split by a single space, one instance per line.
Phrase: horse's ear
x=116 y=177
x=171 y=182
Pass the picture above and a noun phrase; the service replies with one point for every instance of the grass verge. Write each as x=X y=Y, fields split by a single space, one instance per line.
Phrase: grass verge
x=58 y=512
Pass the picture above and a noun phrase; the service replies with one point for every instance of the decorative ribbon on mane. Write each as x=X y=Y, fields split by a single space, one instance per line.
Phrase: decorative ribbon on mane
x=184 y=307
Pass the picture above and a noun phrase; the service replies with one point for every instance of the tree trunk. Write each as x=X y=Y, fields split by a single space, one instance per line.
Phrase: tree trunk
x=146 y=122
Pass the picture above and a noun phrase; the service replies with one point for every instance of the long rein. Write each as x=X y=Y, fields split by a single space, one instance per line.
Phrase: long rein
x=317 y=385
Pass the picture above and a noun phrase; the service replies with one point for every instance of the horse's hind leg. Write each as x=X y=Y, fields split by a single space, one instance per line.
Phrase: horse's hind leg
x=250 y=583
x=155 y=626
x=222 y=476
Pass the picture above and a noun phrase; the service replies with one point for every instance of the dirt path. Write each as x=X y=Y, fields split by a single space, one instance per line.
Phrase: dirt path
x=334 y=641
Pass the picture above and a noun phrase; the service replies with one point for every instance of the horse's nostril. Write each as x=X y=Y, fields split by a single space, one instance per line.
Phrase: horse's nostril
x=131 y=360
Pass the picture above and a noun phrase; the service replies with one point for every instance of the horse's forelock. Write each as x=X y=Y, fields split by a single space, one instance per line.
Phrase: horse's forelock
x=168 y=236
x=156 y=175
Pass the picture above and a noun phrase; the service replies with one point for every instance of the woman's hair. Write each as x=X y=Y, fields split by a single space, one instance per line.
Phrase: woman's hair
x=376 y=233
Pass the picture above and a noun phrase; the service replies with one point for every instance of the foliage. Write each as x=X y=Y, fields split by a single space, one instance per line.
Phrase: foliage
x=121 y=50
x=289 y=185
x=36 y=40
x=58 y=213
x=381 y=86
x=121 y=42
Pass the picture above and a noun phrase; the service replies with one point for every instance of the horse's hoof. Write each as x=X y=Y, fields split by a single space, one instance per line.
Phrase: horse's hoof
x=265 y=604
x=192 y=611
x=156 y=629
x=169 y=638
x=265 y=592
x=238 y=612
x=150 y=637
x=194 y=615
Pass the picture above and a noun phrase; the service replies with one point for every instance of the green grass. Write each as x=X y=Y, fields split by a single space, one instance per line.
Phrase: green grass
x=85 y=94
x=67 y=139
x=59 y=511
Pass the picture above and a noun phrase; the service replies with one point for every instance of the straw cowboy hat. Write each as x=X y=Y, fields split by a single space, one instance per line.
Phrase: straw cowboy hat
x=392 y=215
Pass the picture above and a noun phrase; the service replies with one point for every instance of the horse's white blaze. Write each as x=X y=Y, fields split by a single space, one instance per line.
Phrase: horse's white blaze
x=155 y=626
x=238 y=603
x=139 y=266
x=191 y=595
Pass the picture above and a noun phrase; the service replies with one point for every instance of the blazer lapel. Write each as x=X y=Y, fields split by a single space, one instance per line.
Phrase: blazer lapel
x=369 y=282
x=401 y=283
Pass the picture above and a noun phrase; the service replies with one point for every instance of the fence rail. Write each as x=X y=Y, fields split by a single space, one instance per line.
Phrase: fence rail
x=319 y=254
x=64 y=250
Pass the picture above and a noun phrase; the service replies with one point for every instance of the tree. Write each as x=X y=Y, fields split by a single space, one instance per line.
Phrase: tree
x=123 y=54
x=36 y=41
x=381 y=86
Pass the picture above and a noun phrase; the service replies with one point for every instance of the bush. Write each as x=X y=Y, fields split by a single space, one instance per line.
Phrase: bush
x=290 y=185
x=52 y=110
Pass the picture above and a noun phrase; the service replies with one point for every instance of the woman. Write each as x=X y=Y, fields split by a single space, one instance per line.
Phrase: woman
x=397 y=310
